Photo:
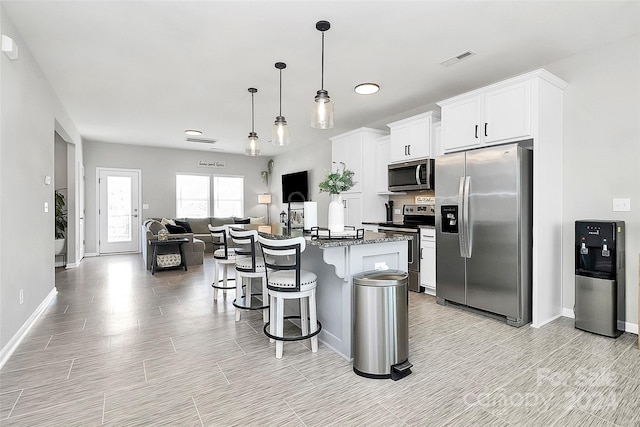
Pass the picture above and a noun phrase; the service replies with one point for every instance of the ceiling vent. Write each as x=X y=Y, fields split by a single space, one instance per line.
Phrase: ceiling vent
x=457 y=58
x=201 y=140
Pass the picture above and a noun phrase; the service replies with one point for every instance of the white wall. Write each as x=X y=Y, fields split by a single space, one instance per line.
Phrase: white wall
x=602 y=151
x=30 y=114
x=159 y=167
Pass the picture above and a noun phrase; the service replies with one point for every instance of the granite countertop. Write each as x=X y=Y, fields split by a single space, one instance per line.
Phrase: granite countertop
x=277 y=231
x=369 y=238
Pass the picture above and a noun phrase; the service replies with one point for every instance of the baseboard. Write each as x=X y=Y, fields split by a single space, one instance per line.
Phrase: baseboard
x=626 y=326
x=17 y=338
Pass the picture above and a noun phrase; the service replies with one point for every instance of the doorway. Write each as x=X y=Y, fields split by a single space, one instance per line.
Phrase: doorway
x=118 y=210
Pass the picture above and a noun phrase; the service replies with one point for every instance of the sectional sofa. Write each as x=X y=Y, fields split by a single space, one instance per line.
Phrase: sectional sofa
x=197 y=232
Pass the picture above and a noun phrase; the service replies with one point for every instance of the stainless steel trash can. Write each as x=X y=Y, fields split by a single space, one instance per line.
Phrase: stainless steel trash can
x=381 y=324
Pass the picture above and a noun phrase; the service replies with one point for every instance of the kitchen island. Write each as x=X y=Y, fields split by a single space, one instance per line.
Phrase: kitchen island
x=335 y=262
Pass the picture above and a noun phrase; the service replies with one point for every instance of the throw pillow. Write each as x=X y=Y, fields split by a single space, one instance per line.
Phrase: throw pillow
x=166 y=221
x=155 y=226
x=241 y=220
x=175 y=229
x=185 y=225
x=257 y=220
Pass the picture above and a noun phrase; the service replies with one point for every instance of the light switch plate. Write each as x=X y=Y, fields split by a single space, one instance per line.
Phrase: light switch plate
x=621 y=205
x=145 y=206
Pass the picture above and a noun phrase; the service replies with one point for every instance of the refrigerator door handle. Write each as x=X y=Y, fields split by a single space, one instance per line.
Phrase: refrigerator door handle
x=461 y=219
x=467 y=222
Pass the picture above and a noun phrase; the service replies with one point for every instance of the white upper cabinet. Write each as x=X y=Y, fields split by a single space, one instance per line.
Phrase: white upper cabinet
x=495 y=114
x=358 y=150
x=383 y=149
x=411 y=138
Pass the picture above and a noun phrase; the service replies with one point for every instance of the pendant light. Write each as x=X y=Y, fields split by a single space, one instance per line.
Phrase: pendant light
x=253 y=145
x=322 y=115
x=280 y=135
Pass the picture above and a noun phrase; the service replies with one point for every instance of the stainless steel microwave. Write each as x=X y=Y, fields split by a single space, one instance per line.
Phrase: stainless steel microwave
x=412 y=176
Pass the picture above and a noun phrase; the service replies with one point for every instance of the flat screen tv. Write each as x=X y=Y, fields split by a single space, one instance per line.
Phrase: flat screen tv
x=295 y=187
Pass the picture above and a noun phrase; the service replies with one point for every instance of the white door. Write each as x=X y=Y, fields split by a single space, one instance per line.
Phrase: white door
x=81 y=209
x=119 y=207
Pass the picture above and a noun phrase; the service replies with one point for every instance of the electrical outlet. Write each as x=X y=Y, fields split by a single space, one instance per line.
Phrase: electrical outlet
x=21 y=296
x=621 y=205
x=397 y=212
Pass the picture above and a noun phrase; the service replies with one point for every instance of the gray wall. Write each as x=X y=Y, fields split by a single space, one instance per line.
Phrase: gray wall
x=314 y=158
x=601 y=152
x=30 y=115
x=159 y=167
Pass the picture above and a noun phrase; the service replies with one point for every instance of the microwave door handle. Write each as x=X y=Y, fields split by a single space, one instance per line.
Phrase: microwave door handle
x=418 y=174
x=428 y=176
x=467 y=221
x=461 y=218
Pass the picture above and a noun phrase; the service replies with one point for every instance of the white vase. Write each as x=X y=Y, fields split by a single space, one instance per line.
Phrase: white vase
x=59 y=246
x=336 y=214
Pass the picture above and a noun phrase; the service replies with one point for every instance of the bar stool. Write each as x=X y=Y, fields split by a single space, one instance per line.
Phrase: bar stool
x=249 y=265
x=286 y=280
x=224 y=257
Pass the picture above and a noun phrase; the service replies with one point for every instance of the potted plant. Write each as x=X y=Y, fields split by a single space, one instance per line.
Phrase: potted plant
x=335 y=183
x=61 y=221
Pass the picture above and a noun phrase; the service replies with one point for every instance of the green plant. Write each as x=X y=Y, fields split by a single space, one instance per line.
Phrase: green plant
x=61 y=215
x=337 y=182
x=266 y=174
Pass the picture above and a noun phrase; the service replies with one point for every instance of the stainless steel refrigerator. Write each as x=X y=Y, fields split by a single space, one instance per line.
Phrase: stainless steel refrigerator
x=484 y=230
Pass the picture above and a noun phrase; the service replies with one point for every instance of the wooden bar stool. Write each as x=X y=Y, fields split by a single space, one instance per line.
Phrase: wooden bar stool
x=224 y=257
x=249 y=265
x=286 y=280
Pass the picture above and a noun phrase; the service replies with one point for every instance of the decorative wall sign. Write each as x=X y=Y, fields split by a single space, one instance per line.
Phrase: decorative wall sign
x=211 y=164
x=421 y=200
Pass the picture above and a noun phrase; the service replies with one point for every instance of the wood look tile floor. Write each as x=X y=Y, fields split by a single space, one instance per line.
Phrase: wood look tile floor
x=119 y=347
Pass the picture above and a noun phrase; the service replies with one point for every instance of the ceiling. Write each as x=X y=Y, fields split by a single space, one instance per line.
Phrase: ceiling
x=142 y=72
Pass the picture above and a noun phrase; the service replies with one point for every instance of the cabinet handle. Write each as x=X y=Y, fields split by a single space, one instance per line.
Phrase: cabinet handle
x=409 y=149
x=476 y=131
x=421 y=249
x=405 y=150
x=485 y=129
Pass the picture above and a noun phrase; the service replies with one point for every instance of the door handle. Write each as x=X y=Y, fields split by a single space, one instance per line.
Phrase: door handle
x=485 y=129
x=461 y=218
x=421 y=249
x=135 y=215
x=409 y=149
x=467 y=231
x=418 y=174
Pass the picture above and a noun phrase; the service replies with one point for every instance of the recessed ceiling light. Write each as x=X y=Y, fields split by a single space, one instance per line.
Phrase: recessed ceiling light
x=366 y=88
x=193 y=132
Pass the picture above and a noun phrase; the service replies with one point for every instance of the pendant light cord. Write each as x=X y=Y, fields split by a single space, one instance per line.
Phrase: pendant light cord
x=252 y=118
x=322 y=67
x=280 y=92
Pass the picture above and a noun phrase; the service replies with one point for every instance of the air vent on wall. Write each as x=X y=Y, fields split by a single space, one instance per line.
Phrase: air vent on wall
x=457 y=58
x=201 y=140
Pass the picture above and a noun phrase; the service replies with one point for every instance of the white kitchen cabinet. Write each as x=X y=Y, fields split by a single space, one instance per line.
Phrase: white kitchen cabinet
x=428 y=260
x=497 y=114
x=353 y=214
x=411 y=138
x=528 y=106
x=357 y=150
x=383 y=149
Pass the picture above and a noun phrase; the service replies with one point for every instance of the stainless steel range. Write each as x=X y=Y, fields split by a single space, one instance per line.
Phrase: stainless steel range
x=414 y=216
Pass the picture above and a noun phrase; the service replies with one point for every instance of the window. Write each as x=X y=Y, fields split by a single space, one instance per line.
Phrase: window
x=192 y=196
x=228 y=196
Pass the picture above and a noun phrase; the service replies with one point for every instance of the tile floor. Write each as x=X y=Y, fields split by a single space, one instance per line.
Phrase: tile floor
x=119 y=346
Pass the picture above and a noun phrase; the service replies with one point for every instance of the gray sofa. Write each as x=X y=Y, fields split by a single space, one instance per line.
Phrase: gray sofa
x=193 y=249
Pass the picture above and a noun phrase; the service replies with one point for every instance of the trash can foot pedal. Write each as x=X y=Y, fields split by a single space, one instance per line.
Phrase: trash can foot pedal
x=400 y=370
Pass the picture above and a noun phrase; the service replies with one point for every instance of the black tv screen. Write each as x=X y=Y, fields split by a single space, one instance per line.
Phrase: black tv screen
x=295 y=187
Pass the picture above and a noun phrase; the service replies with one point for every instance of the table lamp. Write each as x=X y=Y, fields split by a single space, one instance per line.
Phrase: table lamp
x=265 y=199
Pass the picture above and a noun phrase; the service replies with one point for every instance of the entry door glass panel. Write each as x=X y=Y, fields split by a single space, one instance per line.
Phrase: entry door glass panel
x=119 y=211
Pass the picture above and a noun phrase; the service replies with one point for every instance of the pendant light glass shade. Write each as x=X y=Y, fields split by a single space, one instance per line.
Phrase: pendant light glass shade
x=322 y=114
x=322 y=111
x=280 y=131
x=253 y=144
